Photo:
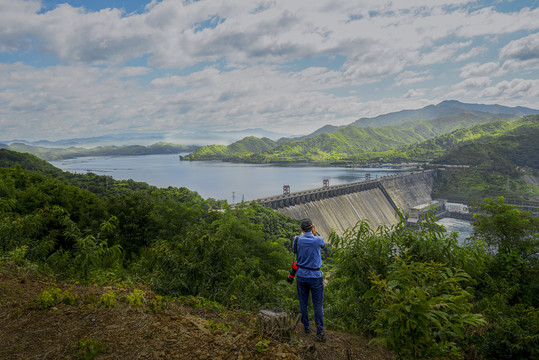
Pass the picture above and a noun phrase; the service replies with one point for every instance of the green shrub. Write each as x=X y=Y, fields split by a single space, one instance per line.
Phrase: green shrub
x=218 y=327
x=512 y=333
x=422 y=310
x=135 y=299
x=108 y=299
x=157 y=304
x=361 y=252
x=53 y=296
x=88 y=348
x=16 y=256
x=262 y=346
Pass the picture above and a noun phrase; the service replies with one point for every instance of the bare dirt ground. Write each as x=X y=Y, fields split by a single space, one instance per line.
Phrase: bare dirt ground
x=86 y=329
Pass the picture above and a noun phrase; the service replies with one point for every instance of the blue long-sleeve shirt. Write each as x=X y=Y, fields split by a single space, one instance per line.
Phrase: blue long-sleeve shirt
x=308 y=254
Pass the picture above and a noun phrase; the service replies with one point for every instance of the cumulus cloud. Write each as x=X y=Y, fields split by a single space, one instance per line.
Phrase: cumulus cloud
x=415 y=93
x=516 y=88
x=471 y=53
x=239 y=63
x=523 y=49
x=476 y=69
x=411 y=77
x=177 y=34
x=84 y=100
x=475 y=82
x=441 y=53
x=521 y=53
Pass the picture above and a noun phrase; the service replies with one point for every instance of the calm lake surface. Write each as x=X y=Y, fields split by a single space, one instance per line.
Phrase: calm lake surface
x=217 y=179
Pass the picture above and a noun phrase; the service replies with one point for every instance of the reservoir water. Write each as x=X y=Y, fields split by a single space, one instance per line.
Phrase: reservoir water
x=217 y=179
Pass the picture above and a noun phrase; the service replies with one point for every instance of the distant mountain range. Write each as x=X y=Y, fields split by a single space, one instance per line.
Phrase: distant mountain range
x=448 y=109
x=329 y=144
x=387 y=132
x=198 y=138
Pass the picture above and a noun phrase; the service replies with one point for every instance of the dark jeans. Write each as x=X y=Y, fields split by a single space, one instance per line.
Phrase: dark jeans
x=316 y=287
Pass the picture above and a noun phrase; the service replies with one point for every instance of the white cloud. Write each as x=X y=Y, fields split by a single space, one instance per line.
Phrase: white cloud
x=129 y=71
x=283 y=30
x=411 y=77
x=471 y=53
x=521 y=53
x=86 y=100
x=415 y=93
x=257 y=63
x=476 y=69
x=516 y=88
x=441 y=53
x=523 y=49
x=474 y=82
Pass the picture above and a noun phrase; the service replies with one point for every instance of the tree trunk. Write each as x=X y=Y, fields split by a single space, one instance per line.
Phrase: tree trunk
x=275 y=324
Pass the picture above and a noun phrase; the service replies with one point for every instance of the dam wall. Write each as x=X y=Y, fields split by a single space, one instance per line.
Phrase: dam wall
x=340 y=207
x=342 y=212
x=408 y=191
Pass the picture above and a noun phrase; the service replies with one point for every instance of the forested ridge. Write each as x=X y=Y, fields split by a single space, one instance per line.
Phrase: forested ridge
x=497 y=162
x=351 y=144
x=416 y=291
x=47 y=153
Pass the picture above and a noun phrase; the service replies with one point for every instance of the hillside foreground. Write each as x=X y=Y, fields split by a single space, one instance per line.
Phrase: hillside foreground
x=183 y=329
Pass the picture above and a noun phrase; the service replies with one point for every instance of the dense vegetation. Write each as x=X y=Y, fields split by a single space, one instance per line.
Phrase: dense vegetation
x=495 y=167
x=127 y=150
x=248 y=145
x=420 y=292
x=170 y=238
x=428 y=297
x=350 y=144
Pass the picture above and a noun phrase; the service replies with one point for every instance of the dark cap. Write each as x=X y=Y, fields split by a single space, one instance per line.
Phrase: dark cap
x=306 y=224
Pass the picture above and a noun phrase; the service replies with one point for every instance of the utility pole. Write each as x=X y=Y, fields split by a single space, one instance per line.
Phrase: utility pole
x=233 y=197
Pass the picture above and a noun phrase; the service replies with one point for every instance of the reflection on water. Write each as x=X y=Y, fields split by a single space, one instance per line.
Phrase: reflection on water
x=462 y=227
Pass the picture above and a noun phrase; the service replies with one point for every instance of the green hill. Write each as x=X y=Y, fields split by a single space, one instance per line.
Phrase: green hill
x=496 y=163
x=10 y=158
x=445 y=109
x=127 y=150
x=345 y=143
x=242 y=148
x=433 y=148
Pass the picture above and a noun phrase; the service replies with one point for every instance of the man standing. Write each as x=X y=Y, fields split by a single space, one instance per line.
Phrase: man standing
x=309 y=277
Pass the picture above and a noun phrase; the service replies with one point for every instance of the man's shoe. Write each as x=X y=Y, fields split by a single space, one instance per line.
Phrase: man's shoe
x=320 y=337
x=306 y=330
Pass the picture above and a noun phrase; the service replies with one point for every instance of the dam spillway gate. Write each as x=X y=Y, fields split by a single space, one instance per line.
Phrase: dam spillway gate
x=340 y=207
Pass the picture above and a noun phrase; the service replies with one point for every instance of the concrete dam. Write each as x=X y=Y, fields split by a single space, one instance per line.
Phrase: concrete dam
x=340 y=207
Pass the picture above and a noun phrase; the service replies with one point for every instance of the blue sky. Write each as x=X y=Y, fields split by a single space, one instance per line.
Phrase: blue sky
x=85 y=68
